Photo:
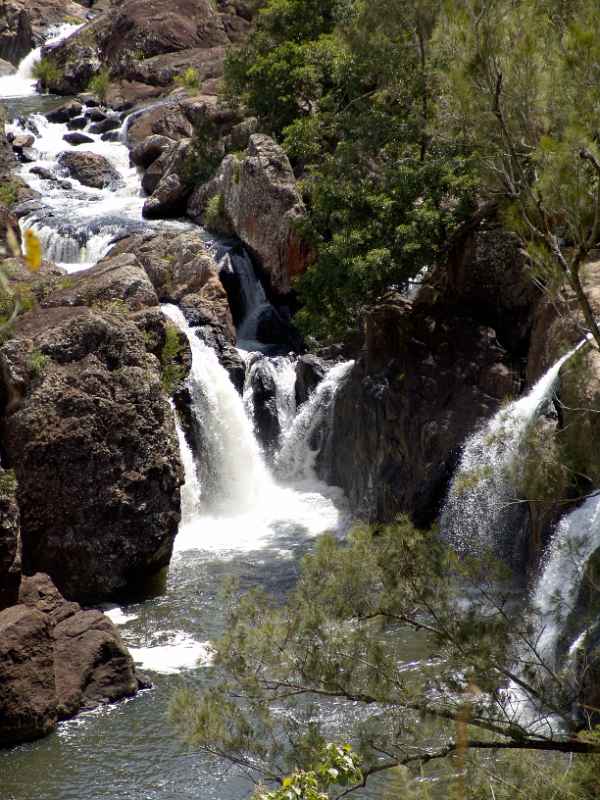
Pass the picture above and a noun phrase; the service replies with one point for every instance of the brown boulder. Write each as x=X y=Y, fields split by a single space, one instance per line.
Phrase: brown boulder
x=27 y=689
x=16 y=33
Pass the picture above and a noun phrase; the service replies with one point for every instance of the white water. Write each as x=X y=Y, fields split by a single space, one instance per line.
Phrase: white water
x=283 y=374
x=22 y=83
x=576 y=539
x=477 y=514
x=296 y=459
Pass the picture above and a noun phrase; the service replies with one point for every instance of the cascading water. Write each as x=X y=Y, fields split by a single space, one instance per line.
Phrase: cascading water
x=23 y=82
x=282 y=374
x=305 y=438
x=480 y=511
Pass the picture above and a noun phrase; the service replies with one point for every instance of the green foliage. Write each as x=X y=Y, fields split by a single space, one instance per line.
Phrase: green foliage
x=37 y=362
x=48 y=73
x=8 y=193
x=8 y=483
x=347 y=88
x=189 y=80
x=205 y=153
x=99 y=84
x=214 y=214
x=172 y=370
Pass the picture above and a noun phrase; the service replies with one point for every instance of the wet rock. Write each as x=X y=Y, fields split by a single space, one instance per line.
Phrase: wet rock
x=10 y=540
x=260 y=203
x=77 y=123
x=91 y=169
x=272 y=328
x=149 y=150
x=111 y=136
x=108 y=124
x=422 y=384
x=43 y=172
x=27 y=689
x=266 y=416
x=77 y=138
x=28 y=155
x=65 y=112
x=92 y=439
x=20 y=141
x=310 y=371
x=6 y=68
x=95 y=114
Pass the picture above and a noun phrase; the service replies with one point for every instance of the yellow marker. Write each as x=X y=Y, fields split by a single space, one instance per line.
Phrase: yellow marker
x=33 y=251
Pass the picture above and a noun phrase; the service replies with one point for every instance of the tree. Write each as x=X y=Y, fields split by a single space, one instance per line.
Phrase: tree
x=339 y=638
x=522 y=91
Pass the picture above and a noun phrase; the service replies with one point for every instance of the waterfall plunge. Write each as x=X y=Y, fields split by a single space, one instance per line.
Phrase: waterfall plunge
x=479 y=509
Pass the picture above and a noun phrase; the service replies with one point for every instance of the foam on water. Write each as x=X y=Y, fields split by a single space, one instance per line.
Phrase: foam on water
x=180 y=652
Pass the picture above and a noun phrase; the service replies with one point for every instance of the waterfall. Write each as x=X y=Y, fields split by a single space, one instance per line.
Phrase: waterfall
x=576 y=539
x=23 y=83
x=479 y=513
x=306 y=436
x=235 y=477
x=282 y=372
x=191 y=490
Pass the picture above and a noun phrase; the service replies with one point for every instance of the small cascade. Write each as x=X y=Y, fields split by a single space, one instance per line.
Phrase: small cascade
x=234 y=476
x=480 y=512
x=190 y=491
x=270 y=397
x=576 y=539
x=307 y=435
x=23 y=82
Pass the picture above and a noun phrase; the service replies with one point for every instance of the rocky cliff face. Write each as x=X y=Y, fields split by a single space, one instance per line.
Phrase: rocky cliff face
x=430 y=371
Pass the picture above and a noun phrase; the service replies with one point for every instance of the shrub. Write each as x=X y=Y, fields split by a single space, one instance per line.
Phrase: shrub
x=189 y=79
x=214 y=214
x=8 y=193
x=48 y=73
x=37 y=362
x=8 y=483
x=99 y=84
x=173 y=371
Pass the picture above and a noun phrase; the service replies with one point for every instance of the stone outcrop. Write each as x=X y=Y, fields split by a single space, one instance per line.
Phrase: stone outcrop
x=91 y=169
x=425 y=380
x=170 y=184
x=56 y=659
x=182 y=271
x=256 y=198
x=90 y=434
x=310 y=371
x=16 y=33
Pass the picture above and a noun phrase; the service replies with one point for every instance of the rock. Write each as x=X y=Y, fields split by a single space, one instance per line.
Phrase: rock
x=182 y=271
x=310 y=371
x=162 y=70
x=260 y=203
x=166 y=119
x=77 y=60
x=43 y=172
x=77 y=138
x=91 y=437
x=56 y=659
x=65 y=112
x=28 y=155
x=77 y=123
x=272 y=328
x=91 y=169
x=228 y=355
x=425 y=380
x=168 y=175
x=21 y=141
x=6 y=68
x=10 y=541
x=108 y=124
x=27 y=689
x=95 y=114
x=16 y=34
x=158 y=168
x=264 y=394
x=111 y=136
x=92 y=666
x=149 y=149
x=125 y=94
x=119 y=279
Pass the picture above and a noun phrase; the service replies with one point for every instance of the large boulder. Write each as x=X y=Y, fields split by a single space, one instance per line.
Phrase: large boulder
x=310 y=371
x=55 y=660
x=90 y=169
x=27 y=688
x=183 y=271
x=425 y=380
x=91 y=436
x=169 y=196
x=164 y=119
x=257 y=199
